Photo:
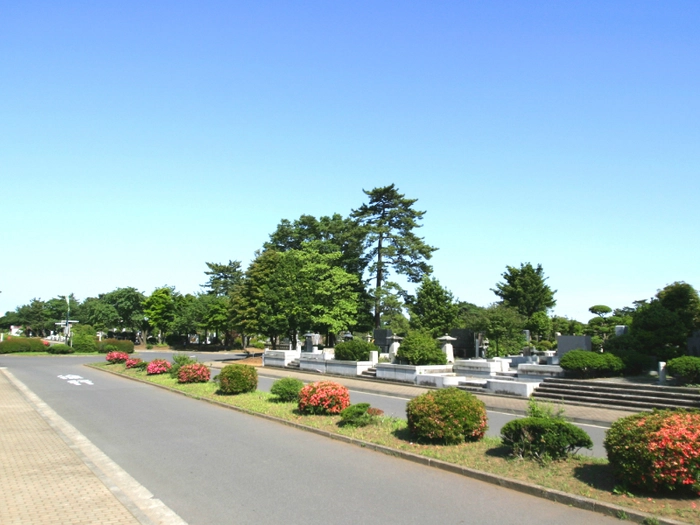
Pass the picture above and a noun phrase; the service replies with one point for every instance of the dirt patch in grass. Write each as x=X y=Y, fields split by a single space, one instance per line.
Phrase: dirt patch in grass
x=579 y=475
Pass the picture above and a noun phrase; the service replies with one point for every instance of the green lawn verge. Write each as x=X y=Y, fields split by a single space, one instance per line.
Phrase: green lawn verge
x=31 y=354
x=579 y=475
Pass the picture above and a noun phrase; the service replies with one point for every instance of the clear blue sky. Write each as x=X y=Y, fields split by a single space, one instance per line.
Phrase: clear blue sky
x=140 y=139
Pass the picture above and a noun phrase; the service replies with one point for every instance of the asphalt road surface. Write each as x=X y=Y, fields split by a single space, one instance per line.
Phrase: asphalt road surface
x=213 y=465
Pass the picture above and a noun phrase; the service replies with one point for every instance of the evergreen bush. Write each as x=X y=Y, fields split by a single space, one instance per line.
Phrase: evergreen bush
x=354 y=350
x=543 y=438
x=287 y=389
x=658 y=451
x=685 y=369
x=59 y=349
x=635 y=363
x=359 y=415
x=448 y=416
x=584 y=364
x=180 y=360
x=85 y=343
x=419 y=348
x=237 y=379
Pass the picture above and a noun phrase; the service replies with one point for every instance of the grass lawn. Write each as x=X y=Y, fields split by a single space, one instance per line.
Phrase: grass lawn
x=580 y=475
x=32 y=354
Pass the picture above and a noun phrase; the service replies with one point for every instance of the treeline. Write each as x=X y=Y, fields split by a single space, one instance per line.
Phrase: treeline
x=334 y=274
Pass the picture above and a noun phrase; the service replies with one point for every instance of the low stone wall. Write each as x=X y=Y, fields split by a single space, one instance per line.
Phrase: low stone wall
x=347 y=368
x=514 y=388
x=279 y=358
x=526 y=371
x=481 y=367
x=439 y=380
x=408 y=373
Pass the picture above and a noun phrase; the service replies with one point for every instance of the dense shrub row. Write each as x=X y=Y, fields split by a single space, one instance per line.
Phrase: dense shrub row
x=14 y=344
x=120 y=345
x=657 y=451
x=584 y=364
x=686 y=370
x=543 y=438
x=448 y=416
x=59 y=349
x=354 y=350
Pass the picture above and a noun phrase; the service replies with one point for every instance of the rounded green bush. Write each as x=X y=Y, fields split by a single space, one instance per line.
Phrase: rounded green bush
x=448 y=415
x=685 y=369
x=656 y=451
x=15 y=344
x=59 y=349
x=354 y=350
x=585 y=364
x=237 y=379
x=419 y=348
x=359 y=415
x=84 y=343
x=540 y=438
x=287 y=389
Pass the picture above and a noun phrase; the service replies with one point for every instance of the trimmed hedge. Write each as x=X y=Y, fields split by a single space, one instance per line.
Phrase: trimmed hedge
x=237 y=379
x=685 y=369
x=84 y=343
x=448 y=415
x=122 y=345
x=14 y=344
x=323 y=397
x=542 y=438
x=287 y=389
x=658 y=451
x=584 y=364
x=59 y=349
x=354 y=350
x=419 y=348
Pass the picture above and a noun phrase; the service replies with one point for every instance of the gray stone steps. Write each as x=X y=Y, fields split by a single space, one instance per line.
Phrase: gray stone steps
x=625 y=386
x=371 y=372
x=601 y=402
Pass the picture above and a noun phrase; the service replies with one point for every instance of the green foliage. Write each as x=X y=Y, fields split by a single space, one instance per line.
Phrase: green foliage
x=584 y=364
x=15 y=344
x=543 y=438
x=260 y=345
x=237 y=379
x=635 y=363
x=390 y=221
x=600 y=310
x=419 y=348
x=84 y=340
x=447 y=416
x=359 y=415
x=657 y=451
x=223 y=278
x=544 y=345
x=354 y=350
x=121 y=345
x=503 y=326
x=180 y=360
x=685 y=369
x=433 y=309
x=159 y=308
x=128 y=302
x=287 y=389
x=59 y=349
x=544 y=410
x=525 y=290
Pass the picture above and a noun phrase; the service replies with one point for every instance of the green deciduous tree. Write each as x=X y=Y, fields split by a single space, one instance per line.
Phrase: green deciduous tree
x=503 y=326
x=128 y=302
x=433 y=309
x=525 y=289
x=159 y=308
x=99 y=313
x=390 y=220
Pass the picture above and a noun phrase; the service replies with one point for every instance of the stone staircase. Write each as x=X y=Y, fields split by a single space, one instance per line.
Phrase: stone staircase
x=293 y=364
x=371 y=373
x=616 y=395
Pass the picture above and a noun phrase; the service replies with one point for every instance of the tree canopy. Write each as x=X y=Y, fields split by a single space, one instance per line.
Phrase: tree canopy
x=525 y=289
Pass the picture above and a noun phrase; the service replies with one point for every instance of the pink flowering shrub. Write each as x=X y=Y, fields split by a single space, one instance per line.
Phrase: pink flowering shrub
x=657 y=451
x=193 y=373
x=132 y=363
x=323 y=397
x=157 y=366
x=116 y=357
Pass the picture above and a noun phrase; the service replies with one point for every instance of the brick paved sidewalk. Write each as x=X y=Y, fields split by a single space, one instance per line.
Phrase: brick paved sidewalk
x=511 y=404
x=42 y=480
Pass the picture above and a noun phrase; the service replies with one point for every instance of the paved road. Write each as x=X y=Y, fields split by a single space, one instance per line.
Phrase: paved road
x=212 y=465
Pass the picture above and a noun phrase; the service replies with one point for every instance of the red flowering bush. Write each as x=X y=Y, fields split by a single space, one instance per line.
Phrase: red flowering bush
x=448 y=415
x=132 y=363
x=657 y=451
x=323 y=397
x=117 y=357
x=193 y=373
x=157 y=366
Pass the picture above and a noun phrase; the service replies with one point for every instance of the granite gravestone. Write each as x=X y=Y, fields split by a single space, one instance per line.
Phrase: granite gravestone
x=694 y=344
x=566 y=343
x=382 y=339
x=464 y=344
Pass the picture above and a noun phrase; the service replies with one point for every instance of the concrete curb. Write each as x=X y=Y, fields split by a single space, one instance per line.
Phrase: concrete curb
x=581 y=502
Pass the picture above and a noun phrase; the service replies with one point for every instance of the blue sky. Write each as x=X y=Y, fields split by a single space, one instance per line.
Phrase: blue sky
x=140 y=139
